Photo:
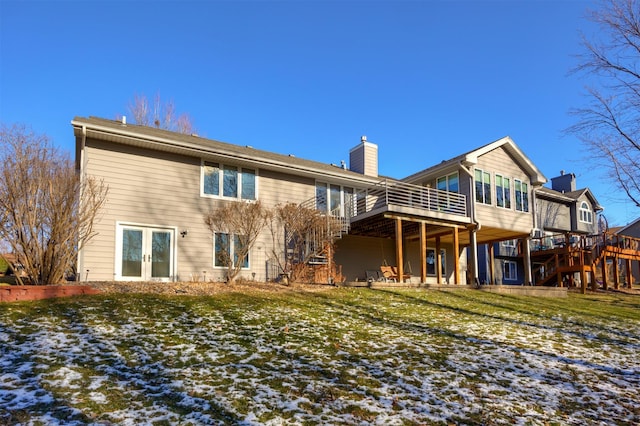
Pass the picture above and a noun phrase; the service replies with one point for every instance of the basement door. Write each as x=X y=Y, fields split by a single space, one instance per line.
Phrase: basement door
x=145 y=253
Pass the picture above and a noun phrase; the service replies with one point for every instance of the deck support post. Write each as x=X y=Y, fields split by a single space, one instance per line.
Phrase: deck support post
x=399 y=258
x=616 y=273
x=492 y=266
x=456 y=256
x=629 y=274
x=473 y=249
x=526 y=256
x=438 y=261
x=605 y=272
x=423 y=252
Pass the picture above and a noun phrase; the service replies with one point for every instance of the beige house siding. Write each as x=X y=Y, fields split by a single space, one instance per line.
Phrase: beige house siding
x=364 y=159
x=498 y=161
x=156 y=189
x=279 y=188
x=358 y=254
x=149 y=189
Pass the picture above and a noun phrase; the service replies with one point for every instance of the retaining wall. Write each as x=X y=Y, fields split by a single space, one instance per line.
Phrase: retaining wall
x=15 y=293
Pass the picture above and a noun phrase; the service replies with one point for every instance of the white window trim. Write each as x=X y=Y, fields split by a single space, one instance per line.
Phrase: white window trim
x=491 y=189
x=118 y=246
x=504 y=193
x=446 y=179
x=585 y=213
x=443 y=253
x=515 y=191
x=213 y=259
x=508 y=243
x=221 y=181
x=342 y=197
x=513 y=266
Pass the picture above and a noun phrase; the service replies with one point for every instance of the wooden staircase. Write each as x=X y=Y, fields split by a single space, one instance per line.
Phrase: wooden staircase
x=560 y=257
x=315 y=262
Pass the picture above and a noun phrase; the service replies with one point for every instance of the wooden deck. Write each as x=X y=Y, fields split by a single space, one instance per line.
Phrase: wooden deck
x=596 y=258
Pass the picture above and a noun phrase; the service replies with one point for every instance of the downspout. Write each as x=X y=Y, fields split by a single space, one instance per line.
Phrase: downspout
x=526 y=249
x=83 y=141
x=473 y=241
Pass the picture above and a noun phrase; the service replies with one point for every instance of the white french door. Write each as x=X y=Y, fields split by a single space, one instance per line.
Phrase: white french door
x=145 y=253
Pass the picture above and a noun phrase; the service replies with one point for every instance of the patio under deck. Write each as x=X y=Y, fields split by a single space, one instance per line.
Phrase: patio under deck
x=404 y=211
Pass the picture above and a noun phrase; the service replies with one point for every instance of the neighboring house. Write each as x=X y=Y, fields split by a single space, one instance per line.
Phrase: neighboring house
x=565 y=209
x=429 y=225
x=563 y=214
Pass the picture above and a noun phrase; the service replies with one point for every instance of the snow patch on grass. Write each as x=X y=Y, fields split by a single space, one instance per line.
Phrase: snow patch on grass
x=342 y=358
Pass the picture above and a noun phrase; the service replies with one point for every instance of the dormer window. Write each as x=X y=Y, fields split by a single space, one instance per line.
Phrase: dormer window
x=586 y=215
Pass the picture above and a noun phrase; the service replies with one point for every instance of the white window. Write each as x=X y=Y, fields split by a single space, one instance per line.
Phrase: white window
x=483 y=186
x=509 y=270
x=586 y=215
x=448 y=183
x=431 y=262
x=336 y=199
x=144 y=253
x=503 y=191
x=220 y=180
x=509 y=243
x=227 y=250
x=522 y=195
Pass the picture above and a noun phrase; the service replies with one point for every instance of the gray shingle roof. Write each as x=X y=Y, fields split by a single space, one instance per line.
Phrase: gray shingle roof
x=171 y=141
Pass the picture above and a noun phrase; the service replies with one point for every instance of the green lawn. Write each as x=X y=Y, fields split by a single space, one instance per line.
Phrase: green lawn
x=344 y=356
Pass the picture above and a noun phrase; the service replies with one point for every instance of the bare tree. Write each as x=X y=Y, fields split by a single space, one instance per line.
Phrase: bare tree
x=299 y=235
x=159 y=114
x=47 y=210
x=236 y=227
x=610 y=125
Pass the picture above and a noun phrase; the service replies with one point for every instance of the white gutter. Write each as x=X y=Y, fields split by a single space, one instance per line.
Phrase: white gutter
x=472 y=209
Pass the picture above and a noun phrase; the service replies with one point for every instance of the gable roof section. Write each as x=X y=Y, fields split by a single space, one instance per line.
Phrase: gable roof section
x=193 y=145
x=569 y=197
x=551 y=194
x=587 y=192
x=469 y=159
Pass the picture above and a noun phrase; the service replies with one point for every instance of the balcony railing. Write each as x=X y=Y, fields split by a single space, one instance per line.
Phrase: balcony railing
x=402 y=194
x=391 y=193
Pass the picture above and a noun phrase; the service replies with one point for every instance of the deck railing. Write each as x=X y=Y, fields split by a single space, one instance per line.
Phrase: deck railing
x=386 y=193
x=403 y=194
x=585 y=242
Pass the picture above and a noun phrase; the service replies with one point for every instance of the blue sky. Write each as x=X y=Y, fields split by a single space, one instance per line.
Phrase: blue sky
x=425 y=80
